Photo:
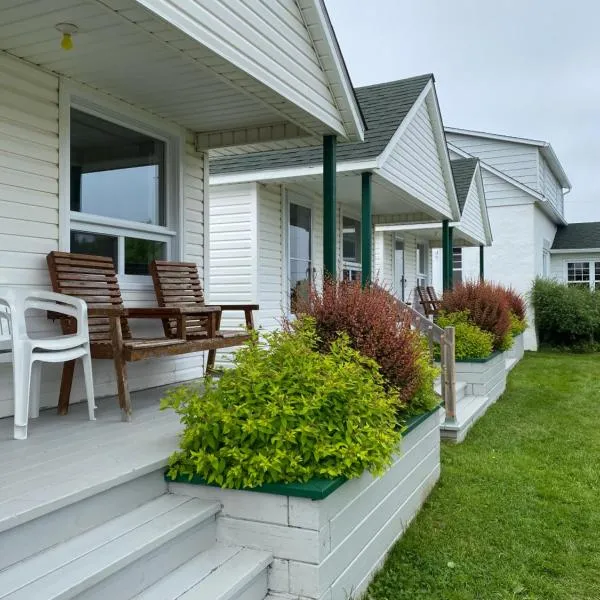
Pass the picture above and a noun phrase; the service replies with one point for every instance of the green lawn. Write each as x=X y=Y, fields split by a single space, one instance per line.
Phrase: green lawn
x=516 y=513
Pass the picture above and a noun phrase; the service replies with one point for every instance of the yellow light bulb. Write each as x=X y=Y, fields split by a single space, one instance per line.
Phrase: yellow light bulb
x=66 y=42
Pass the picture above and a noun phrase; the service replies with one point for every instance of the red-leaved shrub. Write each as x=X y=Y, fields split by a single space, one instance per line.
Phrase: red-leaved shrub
x=376 y=327
x=487 y=304
x=516 y=303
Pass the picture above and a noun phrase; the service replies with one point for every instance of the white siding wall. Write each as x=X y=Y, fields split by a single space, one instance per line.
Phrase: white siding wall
x=414 y=164
x=520 y=161
x=551 y=188
x=471 y=221
x=272 y=257
x=383 y=265
x=544 y=232
x=29 y=217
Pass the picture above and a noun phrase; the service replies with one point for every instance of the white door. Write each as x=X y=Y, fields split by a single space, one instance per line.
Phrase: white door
x=399 y=278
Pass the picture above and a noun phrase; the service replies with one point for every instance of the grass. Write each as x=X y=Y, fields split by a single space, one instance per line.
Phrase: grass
x=516 y=514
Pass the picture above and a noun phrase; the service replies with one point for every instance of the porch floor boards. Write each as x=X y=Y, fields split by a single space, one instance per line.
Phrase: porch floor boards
x=69 y=458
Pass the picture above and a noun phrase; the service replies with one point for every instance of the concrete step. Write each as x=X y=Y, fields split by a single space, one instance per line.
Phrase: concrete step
x=119 y=558
x=220 y=573
x=460 y=387
x=55 y=526
x=468 y=411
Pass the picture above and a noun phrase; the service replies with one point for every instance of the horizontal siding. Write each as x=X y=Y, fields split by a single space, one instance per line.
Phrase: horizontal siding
x=471 y=221
x=499 y=192
x=519 y=161
x=415 y=165
x=233 y=252
x=271 y=258
x=551 y=188
x=29 y=217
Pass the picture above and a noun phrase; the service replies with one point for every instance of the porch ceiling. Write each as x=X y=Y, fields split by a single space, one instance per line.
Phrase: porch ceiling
x=129 y=52
x=388 y=201
x=433 y=234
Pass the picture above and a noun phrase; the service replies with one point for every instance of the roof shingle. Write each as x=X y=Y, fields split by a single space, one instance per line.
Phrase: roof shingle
x=577 y=235
x=384 y=106
x=463 y=170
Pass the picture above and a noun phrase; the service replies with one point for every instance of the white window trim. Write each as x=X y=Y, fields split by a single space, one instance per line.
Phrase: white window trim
x=592 y=269
x=295 y=197
x=424 y=276
x=349 y=265
x=73 y=95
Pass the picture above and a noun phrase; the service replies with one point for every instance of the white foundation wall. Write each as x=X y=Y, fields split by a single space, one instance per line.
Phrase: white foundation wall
x=29 y=226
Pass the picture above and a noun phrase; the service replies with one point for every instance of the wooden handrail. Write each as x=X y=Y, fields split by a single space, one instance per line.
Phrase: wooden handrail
x=446 y=339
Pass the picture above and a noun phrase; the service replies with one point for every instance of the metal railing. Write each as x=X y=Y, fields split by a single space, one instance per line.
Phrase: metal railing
x=445 y=338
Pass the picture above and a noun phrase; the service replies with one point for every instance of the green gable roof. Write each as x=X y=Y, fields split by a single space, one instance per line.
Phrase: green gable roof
x=577 y=235
x=463 y=170
x=384 y=107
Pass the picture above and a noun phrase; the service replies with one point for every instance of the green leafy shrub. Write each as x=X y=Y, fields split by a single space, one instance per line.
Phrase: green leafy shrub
x=488 y=307
x=376 y=327
x=470 y=341
x=517 y=325
x=565 y=316
x=287 y=413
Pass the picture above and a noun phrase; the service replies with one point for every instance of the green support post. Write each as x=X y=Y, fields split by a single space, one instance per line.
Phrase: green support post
x=329 y=205
x=445 y=239
x=367 y=229
x=450 y=258
x=481 y=264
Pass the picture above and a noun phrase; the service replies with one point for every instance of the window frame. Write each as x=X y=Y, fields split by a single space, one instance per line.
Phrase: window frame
x=293 y=197
x=457 y=250
x=73 y=96
x=353 y=268
x=591 y=264
x=422 y=278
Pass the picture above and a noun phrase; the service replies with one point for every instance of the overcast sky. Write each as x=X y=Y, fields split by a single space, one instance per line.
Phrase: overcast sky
x=528 y=68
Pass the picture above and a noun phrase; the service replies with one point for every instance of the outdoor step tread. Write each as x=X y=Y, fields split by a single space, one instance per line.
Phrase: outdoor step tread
x=220 y=573
x=65 y=570
x=467 y=410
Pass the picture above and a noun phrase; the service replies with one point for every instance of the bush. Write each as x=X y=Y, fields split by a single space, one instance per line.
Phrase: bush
x=517 y=325
x=469 y=340
x=516 y=303
x=566 y=317
x=487 y=305
x=287 y=413
x=376 y=327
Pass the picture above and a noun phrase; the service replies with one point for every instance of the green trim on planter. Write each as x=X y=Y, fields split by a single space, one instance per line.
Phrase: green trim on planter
x=479 y=360
x=315 y=489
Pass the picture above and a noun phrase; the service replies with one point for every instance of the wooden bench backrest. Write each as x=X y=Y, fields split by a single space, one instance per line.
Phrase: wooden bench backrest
x=93 y=279
x=177 y=284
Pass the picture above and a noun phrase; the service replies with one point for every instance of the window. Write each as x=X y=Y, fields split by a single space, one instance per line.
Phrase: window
x=421 y=264
x=351 y=249
x=300 y=250
x=118 y=198
x=457 y=265
x=584 y=273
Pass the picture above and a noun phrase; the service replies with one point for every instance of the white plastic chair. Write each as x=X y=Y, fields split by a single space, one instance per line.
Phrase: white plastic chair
x=28 y=354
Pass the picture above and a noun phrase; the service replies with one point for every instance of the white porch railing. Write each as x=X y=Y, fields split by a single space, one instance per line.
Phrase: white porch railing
x=445 y=338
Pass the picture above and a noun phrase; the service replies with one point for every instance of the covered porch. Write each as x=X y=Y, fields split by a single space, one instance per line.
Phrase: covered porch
x=109 y=113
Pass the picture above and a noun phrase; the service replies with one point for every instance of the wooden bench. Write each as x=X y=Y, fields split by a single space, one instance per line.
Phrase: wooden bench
x=93 y=279
x=177 y=285
x=429 y=300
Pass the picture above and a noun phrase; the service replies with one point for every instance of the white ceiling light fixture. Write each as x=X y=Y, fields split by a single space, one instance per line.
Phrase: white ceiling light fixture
x=68 y=30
